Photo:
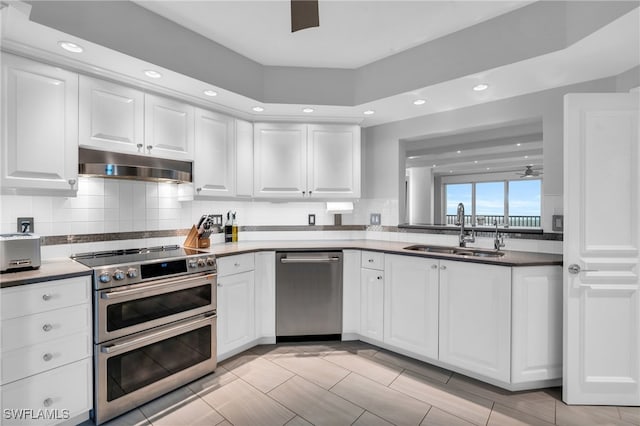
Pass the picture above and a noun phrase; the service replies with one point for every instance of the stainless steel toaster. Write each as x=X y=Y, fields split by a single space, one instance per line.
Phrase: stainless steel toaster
x=19 y=251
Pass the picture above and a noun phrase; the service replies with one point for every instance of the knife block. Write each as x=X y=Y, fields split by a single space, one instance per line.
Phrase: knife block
x=193 y=241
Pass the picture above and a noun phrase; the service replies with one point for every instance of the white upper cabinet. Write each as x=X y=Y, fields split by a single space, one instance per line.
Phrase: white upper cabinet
x=334 y=161
x=168 y=128
x=280 y=160
x=244 y=158
x=111 y=117
x=39 y=126
x=214 y=169
x=302 y=161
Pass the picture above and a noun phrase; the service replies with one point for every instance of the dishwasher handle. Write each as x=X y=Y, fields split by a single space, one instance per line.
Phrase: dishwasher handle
x=332 y=259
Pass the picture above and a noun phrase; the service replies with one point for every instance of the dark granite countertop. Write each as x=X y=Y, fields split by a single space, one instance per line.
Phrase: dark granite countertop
x=53 y=269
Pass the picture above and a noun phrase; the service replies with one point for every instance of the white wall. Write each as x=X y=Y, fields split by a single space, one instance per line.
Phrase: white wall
x=383 y=146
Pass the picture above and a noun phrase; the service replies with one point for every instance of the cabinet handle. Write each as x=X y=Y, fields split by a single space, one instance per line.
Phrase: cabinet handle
x=434 y=266
x=47 y=327
x=47 y=357
x=72 y=182
x=379 y=277
x=236 y=264
x=303 y=193
x=47 y=402
x=219 y=284
x=310 y=193
x=198 y=189
x=46 y=297
x=139 y=146
x=370 y=260
x=443 y=267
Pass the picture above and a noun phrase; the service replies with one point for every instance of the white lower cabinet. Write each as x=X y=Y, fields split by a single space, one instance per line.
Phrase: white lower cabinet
x=46 y=360
x=372 y=298
x=350 y=294
x=411 y=304
x=475 y=318
x=236 y=305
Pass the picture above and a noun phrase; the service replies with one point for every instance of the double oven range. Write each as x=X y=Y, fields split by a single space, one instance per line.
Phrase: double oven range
x=154 y=323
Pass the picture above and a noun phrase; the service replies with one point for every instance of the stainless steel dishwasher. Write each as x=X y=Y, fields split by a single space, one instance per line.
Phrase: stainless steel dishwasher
x=308 y=295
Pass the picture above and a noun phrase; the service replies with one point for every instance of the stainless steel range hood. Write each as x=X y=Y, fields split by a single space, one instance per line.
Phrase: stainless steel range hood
x=136 y=167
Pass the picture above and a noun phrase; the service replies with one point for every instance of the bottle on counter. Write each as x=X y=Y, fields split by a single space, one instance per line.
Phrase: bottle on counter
x=227 y=229
x=234 y=228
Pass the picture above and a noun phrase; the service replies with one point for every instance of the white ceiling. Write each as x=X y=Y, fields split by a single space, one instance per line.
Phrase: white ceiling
x=351 y=33
x=609 y=51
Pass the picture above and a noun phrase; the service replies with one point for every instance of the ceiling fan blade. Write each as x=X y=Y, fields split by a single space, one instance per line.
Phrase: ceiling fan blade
x=304 y=14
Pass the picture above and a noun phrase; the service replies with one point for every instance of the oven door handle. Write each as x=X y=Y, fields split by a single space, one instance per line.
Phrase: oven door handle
x=123 y=293
x=153 y=336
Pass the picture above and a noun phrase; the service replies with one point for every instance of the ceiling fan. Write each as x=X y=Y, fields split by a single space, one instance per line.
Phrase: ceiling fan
x=304 y=14
x=529 y=172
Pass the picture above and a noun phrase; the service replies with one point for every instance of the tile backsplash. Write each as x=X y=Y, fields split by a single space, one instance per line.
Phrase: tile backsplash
x=111 y=205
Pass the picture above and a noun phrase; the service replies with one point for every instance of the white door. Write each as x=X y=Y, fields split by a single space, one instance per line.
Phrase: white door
x=236 y=310
x=280 y=160
x=168 y=128
x=39 y=125
x=601 y=249
x=214 y=171
x=111 y=116
x=371 y=303
x=411 y=304
x=475 y=318
x=334 y=161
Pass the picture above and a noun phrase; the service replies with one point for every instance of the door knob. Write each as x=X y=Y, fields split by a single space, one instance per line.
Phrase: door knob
x=575 y=269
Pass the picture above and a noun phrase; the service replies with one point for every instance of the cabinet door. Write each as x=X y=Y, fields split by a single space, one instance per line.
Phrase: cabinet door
x=350 y=294
x=334 y=161
x=39 y=125
x=111 y=116
x=411 y=304
x=280 y=160
x=371 y=303
x=236 y=323
x=168 y=128
x=244 y=158
x=475 y=317
x=214 y=171
x=537 y=323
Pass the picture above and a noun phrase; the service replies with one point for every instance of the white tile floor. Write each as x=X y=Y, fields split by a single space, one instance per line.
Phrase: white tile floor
x=353 y=383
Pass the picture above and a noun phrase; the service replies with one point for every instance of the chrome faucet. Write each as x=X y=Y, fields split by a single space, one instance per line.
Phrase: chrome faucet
x=498 y=240
x=463 y=239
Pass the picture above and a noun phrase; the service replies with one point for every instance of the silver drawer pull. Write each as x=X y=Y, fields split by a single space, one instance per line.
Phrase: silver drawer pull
x=443 y=267
x=379 y=277
x=46 y=297
x=370 y=260
x=47 y=357
x=236 y=264
x=47 y=327
x=434 y=266
x=575 y=269
x=47 y=402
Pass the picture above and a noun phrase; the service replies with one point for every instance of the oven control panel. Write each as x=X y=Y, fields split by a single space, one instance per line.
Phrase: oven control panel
x=118 y=275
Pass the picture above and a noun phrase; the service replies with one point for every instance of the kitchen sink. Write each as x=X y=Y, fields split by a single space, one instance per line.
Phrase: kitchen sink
x=460 y=251
x=432 y=249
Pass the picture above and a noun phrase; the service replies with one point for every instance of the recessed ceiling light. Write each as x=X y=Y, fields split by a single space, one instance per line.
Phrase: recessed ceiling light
x=518 y=144
x=257 y=109
x=458 y=151
x=433 y=165
x=488 y=168
x=152 y=74
x=70 y=47
x=526 y=156
x=480 y=87
x=475 y=161
x=210 y=93
x=450 y=171
x=308 y=110
x=369 y=112
x=419 y=102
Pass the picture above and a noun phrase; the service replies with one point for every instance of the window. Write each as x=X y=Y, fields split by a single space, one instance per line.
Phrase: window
x=515 y=203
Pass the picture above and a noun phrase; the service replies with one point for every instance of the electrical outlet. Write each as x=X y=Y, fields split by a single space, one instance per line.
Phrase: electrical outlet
x=312 y=219
x=375 y=219
x=216 y=219
x=25 y=224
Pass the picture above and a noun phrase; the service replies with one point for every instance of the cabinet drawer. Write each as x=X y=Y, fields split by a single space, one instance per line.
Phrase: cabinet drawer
x=45 y=327
x=41 y=357
x=373 y=260
x=63 y=393
x=235 y=264
x=35 y=298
